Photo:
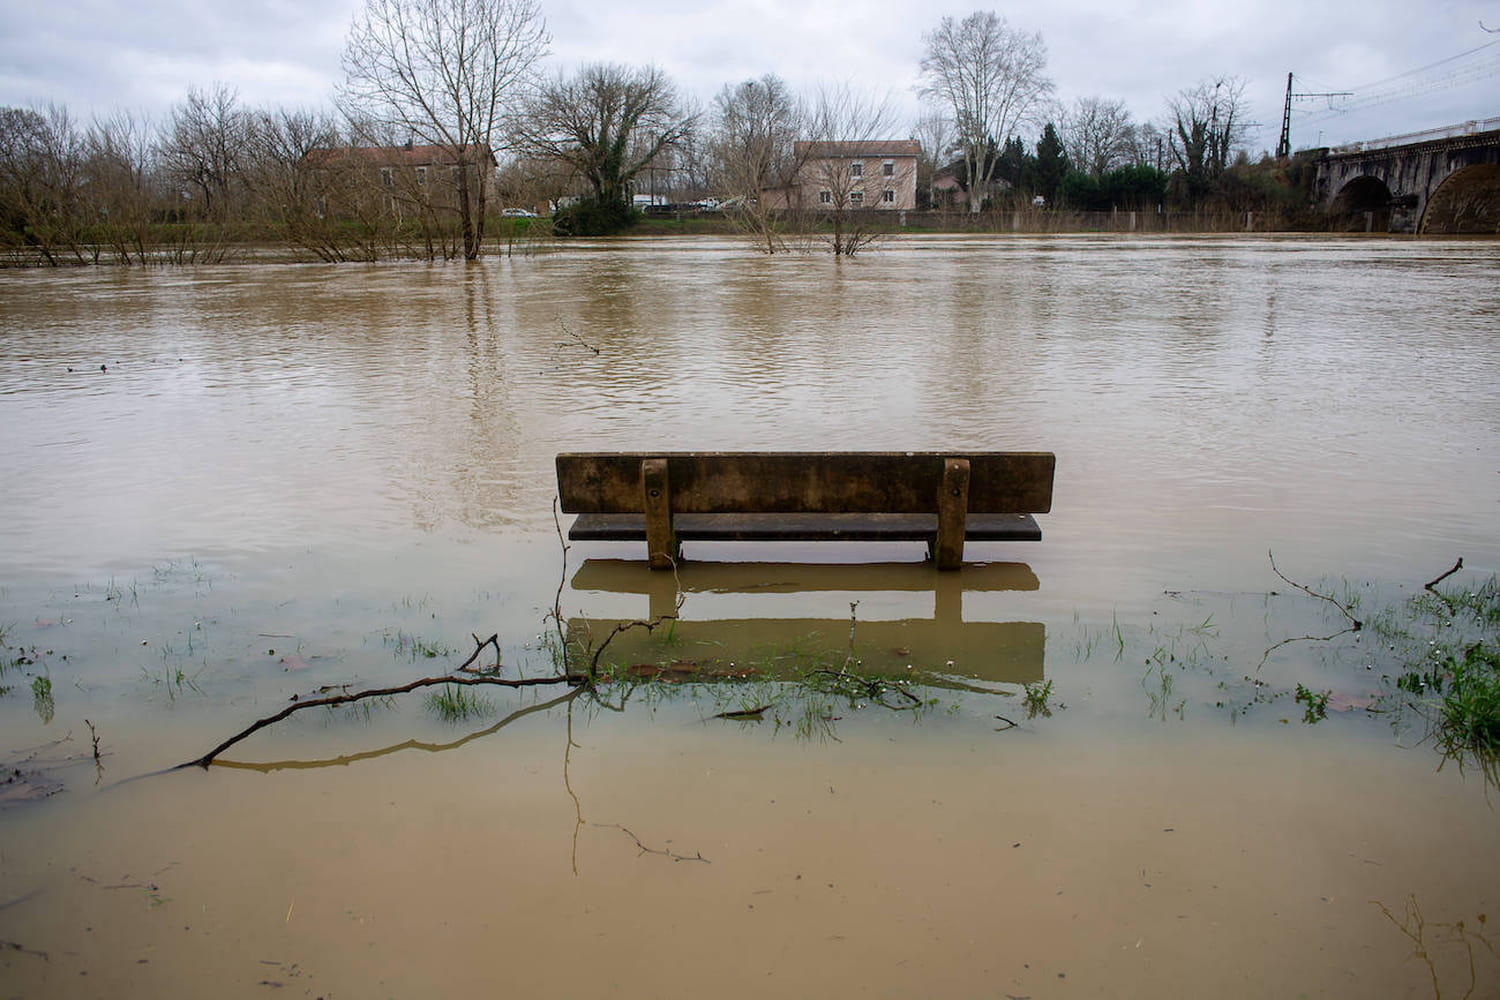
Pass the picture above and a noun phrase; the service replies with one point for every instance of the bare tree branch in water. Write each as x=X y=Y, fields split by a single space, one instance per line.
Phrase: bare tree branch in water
x=344 y=760
x=458 y=678
x=466 y=675
x=1345 y=609
x=1432 y=584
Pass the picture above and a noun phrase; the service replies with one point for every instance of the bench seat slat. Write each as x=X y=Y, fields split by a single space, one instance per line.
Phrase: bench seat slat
x=804 y=527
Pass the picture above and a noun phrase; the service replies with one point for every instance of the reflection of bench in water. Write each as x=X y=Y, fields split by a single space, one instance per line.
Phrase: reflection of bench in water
x=1004 y=652
x=666 y=498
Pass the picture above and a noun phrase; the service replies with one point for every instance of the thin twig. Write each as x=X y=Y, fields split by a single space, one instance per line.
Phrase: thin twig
x=562 y=580
x=1344 y=609
x=479 y=645
x=649 y=626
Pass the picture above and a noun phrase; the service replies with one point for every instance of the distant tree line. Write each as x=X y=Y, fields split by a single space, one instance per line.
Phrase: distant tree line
x=445 y=116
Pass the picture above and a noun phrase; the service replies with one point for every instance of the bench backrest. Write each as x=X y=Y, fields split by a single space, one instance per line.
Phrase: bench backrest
x=897 y=482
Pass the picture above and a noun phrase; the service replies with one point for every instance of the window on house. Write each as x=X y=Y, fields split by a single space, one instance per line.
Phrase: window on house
x=888 y=196
x=856 y=198
x=421 y=175
x=453 y=175
x=888 y=169
x=825 y=197
x=385 y=176
x=856 y=169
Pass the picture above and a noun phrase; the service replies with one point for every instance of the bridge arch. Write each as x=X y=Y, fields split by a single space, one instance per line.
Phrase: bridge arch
x=1408 y=172
x=1363 y=203
x=1467 y=201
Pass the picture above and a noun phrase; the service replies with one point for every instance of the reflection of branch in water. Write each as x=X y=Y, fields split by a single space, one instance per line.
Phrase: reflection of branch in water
x=664 y=852
x=576 y=339
x=568 y=784
x=1413 y=926
x=12 y=946
x=1302 y=638
x=353 y=758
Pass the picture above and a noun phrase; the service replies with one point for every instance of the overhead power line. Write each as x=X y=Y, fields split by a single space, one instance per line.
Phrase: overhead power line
x=1440 y=75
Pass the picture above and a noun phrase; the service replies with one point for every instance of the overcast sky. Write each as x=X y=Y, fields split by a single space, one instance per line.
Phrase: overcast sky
x=94 y=56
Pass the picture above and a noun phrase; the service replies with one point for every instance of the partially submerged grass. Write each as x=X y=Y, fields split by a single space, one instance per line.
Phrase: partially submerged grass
x=1448 y=642
x=1471 y=704
x=457 y=703
x=1035 y=697
x=41 y=695
x=805 y=692
x=414 y=648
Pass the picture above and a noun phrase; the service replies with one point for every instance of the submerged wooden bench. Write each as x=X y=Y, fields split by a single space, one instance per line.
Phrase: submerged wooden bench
x=940 y=498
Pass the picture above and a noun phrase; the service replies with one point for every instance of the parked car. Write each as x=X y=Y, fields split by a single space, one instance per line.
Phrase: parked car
x=517 y=213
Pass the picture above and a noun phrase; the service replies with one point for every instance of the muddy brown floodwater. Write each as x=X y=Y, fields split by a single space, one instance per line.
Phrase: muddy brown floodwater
x=226 y=487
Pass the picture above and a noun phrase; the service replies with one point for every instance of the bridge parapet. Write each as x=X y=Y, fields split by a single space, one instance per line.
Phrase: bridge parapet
x=1414 y=138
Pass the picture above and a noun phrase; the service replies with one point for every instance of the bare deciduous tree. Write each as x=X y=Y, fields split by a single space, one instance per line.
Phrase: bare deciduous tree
x=1150 y=147
x=123 y=184
x=935 y=134
x=990 y=80
x=1206 y=124
x=755 y=127
x=443 y=72
x=607 y=122
x=292 y=165
x=40 y=179
x=1098 y=135
x=202 y=145
x=842 y=126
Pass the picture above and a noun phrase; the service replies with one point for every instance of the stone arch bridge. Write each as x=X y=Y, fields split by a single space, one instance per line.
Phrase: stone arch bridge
x=1439 y=181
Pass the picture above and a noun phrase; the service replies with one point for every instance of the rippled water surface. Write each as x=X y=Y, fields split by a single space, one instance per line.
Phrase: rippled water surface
x=228 y=486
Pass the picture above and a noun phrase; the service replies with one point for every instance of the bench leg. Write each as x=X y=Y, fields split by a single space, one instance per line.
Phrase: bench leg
x=661 y=540
x=953 y=511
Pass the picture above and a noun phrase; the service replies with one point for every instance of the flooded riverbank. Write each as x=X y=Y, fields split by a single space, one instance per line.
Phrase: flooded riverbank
x=232 y=486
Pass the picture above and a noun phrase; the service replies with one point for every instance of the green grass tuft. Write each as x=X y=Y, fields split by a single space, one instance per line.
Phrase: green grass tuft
x=456 y=703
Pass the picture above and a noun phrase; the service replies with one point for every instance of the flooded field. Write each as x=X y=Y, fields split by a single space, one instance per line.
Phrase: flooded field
x=1136 y=758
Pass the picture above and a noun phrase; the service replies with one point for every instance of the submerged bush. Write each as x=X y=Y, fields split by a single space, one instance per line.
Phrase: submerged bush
x=592 y=217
